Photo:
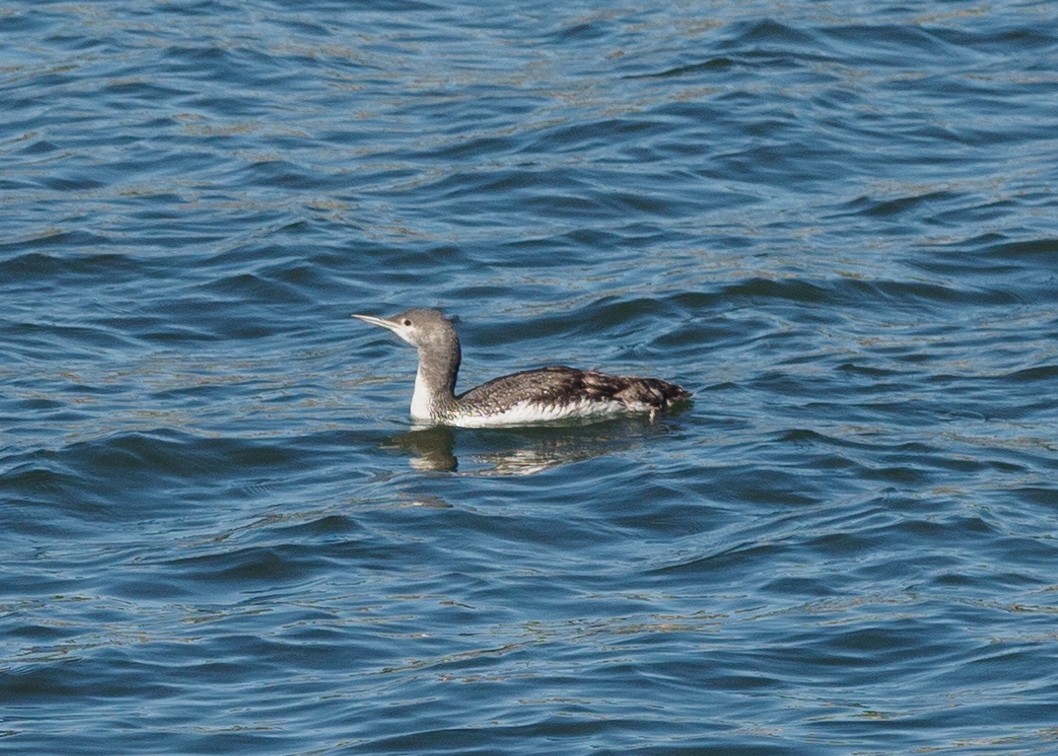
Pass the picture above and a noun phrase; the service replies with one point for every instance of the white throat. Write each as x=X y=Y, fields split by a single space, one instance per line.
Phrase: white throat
x=420 y=400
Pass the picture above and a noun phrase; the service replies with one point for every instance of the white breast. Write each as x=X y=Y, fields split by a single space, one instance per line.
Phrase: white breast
x=420 y=400
x=526 y=413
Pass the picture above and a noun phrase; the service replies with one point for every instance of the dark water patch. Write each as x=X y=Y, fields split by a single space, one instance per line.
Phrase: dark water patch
x=1013 y=36
x=722 y=565
x=1034 y=374
x=1045 y=497
x=716 y=64
x=890 y=44
x=40 y=147
x=1037 y=251
x=261 y=286
x=333 y=526
x=761 y=288
x=155 y=464
x=606 y=313
x=597 y=135
x=897 y=207
x=869 y=372
x=583 y=31
x=463 y=149
x=26 y=263
x=772 y=43
x=275 y=566
x=286 y=175
x=43 y=341
x=902 y=294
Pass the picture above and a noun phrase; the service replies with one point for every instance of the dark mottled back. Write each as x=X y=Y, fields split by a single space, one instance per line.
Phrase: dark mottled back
x=557 y=385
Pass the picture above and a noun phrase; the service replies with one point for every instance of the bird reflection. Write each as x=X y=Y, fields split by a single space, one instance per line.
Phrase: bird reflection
x=519 y=451
x=431 y=448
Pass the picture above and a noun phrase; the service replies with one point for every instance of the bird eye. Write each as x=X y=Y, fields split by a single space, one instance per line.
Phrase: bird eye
x=407 y=322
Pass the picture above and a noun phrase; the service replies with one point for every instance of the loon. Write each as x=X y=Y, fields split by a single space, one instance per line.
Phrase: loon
x=533 y=396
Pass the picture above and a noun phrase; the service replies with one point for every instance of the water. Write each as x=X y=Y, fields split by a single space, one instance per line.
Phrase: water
x=835 y=222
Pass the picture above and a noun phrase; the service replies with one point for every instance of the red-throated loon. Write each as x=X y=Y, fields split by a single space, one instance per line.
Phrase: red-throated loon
x=533 y=396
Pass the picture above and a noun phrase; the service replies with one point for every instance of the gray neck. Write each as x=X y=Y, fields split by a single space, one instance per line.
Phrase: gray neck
x=435 y=381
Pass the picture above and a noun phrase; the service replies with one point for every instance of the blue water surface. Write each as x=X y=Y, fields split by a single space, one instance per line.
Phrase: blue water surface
x=835 y=222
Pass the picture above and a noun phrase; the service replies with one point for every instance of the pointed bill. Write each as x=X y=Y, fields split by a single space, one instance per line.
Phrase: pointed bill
x=381 y=322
